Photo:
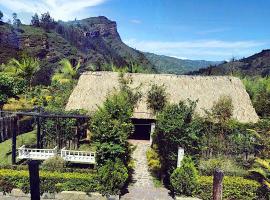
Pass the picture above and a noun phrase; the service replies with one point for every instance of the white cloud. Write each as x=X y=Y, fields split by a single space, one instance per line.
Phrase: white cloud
x=136 y=21
x=198 y=49
x=59 y=9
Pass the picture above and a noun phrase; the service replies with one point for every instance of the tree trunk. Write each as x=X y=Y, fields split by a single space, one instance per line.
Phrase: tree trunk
x=217 y=184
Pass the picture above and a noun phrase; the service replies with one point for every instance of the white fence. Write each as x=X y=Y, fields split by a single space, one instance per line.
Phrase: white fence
x=36 y=154
x=67 y=155
x=78 y=156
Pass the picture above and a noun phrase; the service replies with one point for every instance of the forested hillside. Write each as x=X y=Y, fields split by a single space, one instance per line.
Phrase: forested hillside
x=257 y=64
x=171 y=65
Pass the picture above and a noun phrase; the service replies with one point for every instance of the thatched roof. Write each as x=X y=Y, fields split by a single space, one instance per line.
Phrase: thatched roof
x=93 y=87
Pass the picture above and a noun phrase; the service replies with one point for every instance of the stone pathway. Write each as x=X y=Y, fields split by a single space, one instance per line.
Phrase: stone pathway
x=142 y=186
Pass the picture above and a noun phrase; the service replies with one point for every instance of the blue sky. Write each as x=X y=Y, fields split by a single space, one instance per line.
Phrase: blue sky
x=193 y=29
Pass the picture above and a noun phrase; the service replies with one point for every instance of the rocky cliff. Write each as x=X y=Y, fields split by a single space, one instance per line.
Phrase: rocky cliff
x=94 y=42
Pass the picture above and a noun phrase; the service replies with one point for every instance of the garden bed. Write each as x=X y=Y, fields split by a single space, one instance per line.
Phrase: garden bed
x=50 y=182
x=233 y=188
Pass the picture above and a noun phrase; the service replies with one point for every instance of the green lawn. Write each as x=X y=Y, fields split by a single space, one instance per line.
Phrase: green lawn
x=5 y=147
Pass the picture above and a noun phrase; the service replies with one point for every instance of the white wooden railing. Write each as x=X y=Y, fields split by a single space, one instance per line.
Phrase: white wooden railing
x=67 y=155
x=36 y=154
x=78 y=156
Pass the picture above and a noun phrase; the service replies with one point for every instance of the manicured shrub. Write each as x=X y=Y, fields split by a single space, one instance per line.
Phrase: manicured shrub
x=49 y=181
x=227 y=165
x=112 y=177
x=234 y=188
x=55 y=163
x=184 y=179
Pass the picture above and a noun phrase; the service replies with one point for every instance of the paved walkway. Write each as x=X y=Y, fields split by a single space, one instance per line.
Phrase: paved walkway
x=142 y=187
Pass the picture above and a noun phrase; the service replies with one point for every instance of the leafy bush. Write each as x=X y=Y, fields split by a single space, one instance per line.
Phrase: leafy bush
x=176 y=127
x=111 y=127
x=153 y=161
x=184 y=179
x=222 y=109
x=258 y=89
x=233 y=188
x=50 y=181
x=157 y=98
x=10 y=87
x=227 y=165
x=112 y=177
x=55 y=163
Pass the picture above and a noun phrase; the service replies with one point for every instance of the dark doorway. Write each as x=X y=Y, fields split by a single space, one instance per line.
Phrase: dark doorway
x=142 y=129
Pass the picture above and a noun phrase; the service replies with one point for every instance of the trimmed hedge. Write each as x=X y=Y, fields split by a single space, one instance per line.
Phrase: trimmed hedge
x=234 y=188
x=50 y=181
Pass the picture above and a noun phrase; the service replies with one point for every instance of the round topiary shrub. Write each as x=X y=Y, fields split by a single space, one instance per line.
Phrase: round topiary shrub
x=55 y=163
x=112 y=177
x=184 y=180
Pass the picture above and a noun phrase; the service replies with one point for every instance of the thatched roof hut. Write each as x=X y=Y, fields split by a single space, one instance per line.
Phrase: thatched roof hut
x=93 y=87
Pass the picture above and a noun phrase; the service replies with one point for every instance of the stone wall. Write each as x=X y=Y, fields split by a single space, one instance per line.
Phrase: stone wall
x=17 y=194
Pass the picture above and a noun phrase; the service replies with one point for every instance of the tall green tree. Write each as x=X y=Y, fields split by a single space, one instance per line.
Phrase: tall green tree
x=67 y=72
x=176 y=127
x=47 y=22
x=1 y=16
x=35 y=20
x=25 y=68
x=16 y=22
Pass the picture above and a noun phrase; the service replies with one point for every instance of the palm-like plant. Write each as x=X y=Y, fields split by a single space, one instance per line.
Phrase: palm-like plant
x=261 y=171
x=67 y=72
x=25 y=68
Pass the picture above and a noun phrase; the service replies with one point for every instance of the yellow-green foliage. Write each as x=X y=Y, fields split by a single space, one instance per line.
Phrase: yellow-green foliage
x=258 y=89
x=18 y=104
x=153 y=161
x=233 y=188
x=50 y=181
x=227 y=165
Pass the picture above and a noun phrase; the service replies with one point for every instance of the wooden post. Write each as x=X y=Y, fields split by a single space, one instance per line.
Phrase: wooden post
x=14 y=137
x=78 y=132
x=41 y=132
x=1 y=129
x=38 y=132
x=33 y=166
x=217 y=184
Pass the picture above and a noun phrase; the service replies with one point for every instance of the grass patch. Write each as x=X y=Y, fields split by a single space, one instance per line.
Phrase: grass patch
x=27 y=139
x=157 y=182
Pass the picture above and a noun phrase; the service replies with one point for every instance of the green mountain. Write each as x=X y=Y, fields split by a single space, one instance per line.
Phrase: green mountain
x=171 y=65
x=255 y=65
x=94 y=42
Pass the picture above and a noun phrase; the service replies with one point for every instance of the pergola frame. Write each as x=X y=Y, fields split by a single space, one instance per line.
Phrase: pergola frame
x=39 y=115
